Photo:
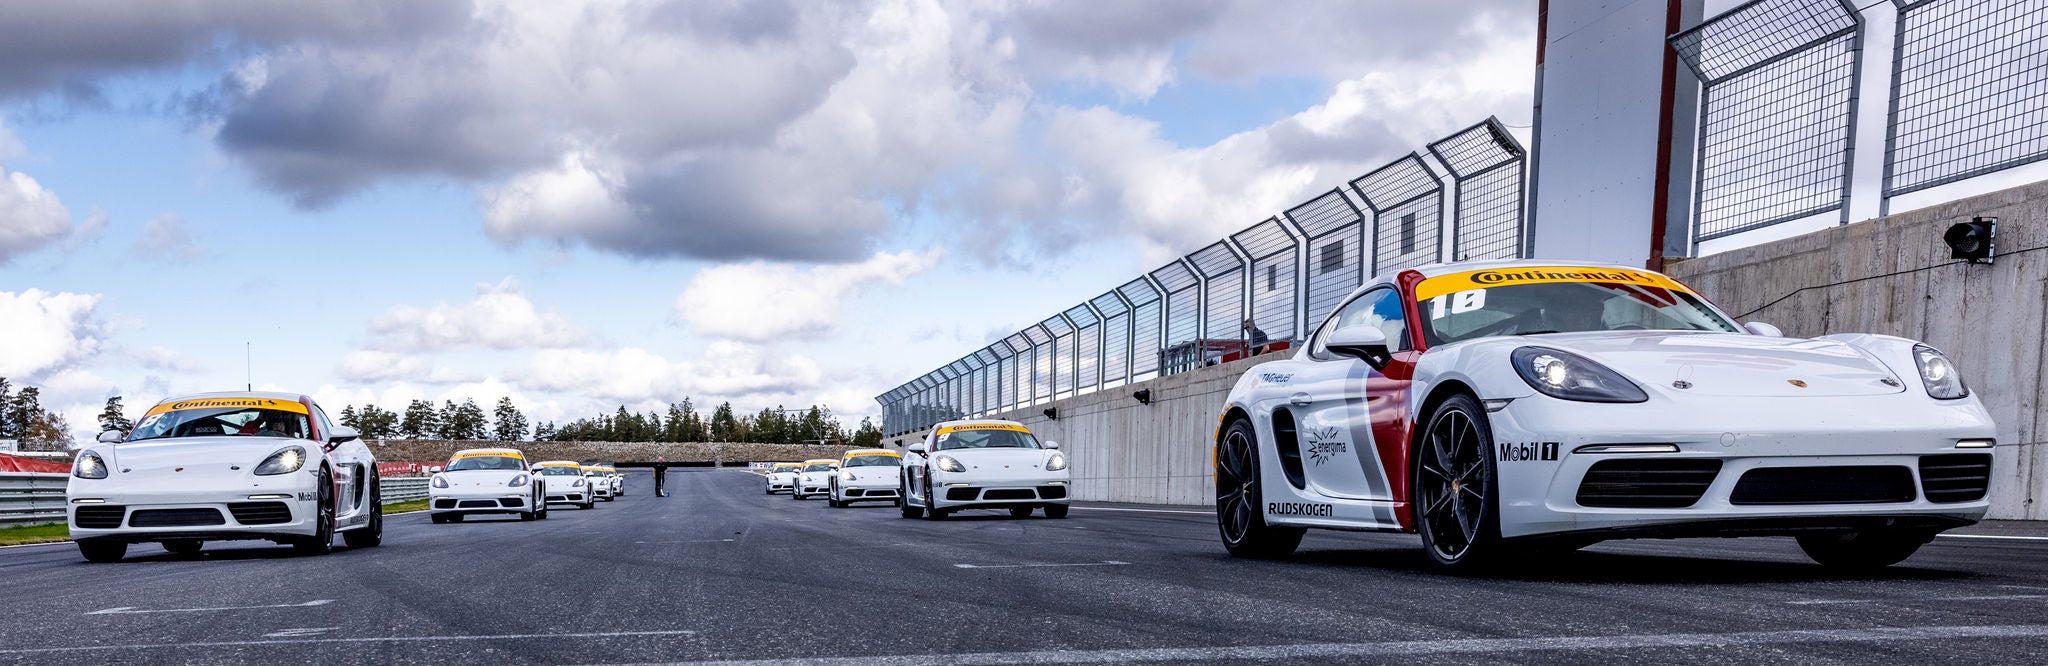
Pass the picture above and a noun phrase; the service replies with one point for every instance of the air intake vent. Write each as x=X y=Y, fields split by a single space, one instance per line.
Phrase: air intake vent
x=1958 y=477
x=99 y=517
x=1860 y=484
x=261 y=513
x=176 y=518
x=1647 y=483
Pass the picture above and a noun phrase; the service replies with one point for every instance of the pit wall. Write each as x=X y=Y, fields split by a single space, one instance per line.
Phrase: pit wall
x=1123 y=451
x=1894 y=276
x=432 y=450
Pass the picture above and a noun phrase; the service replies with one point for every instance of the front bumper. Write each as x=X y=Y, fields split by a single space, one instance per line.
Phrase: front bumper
x=862 y=491
x=571 y=496
x=165 y=514
x=957 y=490
x=1743 y=465
x=480 y=500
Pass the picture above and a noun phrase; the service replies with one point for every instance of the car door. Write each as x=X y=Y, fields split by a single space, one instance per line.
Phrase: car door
x=914 y=470
x=1348 y=415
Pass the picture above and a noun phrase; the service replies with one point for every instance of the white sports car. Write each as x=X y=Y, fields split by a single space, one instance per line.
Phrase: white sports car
x=1507 y=407
x=781 y=477
x=481 y=481
x=815 y=478
x=566 y=483
x=226 y=466
x=866 y=475
x=600 y=483
x=984 y=464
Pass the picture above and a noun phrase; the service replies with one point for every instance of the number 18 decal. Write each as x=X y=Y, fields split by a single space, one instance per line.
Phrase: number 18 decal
x=1460 y=303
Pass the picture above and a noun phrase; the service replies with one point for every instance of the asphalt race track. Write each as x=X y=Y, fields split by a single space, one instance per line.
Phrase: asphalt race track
x=720 y=571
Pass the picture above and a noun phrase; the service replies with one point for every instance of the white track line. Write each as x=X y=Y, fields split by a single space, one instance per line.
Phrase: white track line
x=1467 y=646
x=1993 y=536
x=365 y=639
x=1107 y=508
x=1104 y=563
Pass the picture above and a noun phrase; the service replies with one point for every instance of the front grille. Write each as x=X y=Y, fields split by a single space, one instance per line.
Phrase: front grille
x=444 y=504
x=872 y=492
x=1862 y=484
x=477 y=504
x=102 y=517
x=1010 y=494
x=1957 y=477
x=176 y=518
x=961 y=494
x=1052 y=492
x=261 y=513
x=512 y=502
x=1647 y=483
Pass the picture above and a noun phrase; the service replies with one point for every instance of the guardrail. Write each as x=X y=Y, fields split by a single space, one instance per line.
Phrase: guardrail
x=32 y=498
x=36 y=498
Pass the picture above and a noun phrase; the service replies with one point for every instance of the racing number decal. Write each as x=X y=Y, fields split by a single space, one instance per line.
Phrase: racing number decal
x=1458 y=303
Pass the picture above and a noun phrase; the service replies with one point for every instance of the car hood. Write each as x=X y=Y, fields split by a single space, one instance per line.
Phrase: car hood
x=198 y=453
x=873 y=475
x=998 y=458
x=1734 y=364
x=489 y=478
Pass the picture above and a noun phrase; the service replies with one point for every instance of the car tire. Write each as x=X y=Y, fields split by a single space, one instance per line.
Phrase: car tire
x=1239 y=497
x=102 y=551
x=1020 y=512
x=439 y=519
x=184 y=546
x=321 y=542
x=526 y=516
x=931 y=504
x=589 y=504
x=1055 y=510
x=371 y=535
x=1455 y=487
x=903 y=504
x=454 y=517
x=1863 y=550
x=836 y=504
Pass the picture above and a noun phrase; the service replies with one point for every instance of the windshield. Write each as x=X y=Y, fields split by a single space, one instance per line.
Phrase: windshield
x=987 y=439
x=560 y=471
x=250 y=422
x=818 y=467
x=874 y=461
x=1564 y=307
x=492 y=463
x=780 y=469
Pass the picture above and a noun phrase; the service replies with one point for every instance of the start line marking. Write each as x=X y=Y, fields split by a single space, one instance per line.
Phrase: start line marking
x=124 y=610
x=1104 y=563
x=367 y=639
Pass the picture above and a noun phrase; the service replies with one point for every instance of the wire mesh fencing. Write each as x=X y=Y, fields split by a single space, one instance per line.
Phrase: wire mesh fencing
x=1778 y=112
x=1969 y=91
x=1261 y=289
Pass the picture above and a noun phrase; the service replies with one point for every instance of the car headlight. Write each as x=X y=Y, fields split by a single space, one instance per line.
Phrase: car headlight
x=439 y=481
x=577 y=484
x=285 y=461
x=846 y=476
x=1564 y=375
x=516 y=481
x=1055 y=462
x=89 y=466
x=1939 y=375
x=948 y=464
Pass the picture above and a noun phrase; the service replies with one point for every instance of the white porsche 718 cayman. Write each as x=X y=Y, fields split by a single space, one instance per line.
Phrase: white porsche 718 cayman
x=866 y=475
x=984 y=464
x=225 y=466
x=566 y=483
x=484 y=481
x=1510 y=407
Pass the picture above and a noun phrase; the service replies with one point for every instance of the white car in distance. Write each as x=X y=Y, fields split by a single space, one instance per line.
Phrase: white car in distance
x=566 y=483
x=486 y=481
x=984 y=464
x=867 y=475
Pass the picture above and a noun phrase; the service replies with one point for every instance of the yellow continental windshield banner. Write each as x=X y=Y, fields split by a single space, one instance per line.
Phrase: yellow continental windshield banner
x=1501 y=277
x=228 y=403
x=558 y=464
x=885 y=454
x=983 y=426
x=488 y=454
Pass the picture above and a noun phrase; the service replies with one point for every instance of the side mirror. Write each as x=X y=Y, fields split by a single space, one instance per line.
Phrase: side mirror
x=112 y=436
x=343 y=434
x=1365 y=343
x=1052 y=445
x=1763 y=329
x=917 y=447
x=435 y=469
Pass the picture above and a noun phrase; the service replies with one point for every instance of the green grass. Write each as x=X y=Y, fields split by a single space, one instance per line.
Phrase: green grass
x=15 y=536
x=408 y=506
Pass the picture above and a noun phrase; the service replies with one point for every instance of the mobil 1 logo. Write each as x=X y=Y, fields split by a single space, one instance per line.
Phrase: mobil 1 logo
x=1513 y=452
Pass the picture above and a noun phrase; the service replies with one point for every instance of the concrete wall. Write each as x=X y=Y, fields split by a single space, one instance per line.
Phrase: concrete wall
x=1894 y=276
x=1122 y=451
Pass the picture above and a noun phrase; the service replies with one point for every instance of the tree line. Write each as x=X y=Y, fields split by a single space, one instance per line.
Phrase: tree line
x=680 y=423
x=23 y=419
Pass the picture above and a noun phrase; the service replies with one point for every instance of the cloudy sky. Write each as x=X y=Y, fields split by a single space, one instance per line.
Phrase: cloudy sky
x=584 y=205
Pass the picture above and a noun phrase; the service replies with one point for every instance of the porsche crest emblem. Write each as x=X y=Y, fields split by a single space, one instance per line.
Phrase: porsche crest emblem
x=1795 y=382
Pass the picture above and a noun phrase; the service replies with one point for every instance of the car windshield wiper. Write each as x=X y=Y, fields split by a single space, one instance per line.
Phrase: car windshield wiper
x=1537 y=332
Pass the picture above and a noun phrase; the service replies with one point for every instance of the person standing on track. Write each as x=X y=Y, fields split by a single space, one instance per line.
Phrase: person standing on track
x=660 y=476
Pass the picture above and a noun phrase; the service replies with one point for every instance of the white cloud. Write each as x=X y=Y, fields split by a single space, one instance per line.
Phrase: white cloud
x=167 y=360
x=727 y=371
x=166 y=237
x=46 y=332
x=31 y=217
x=500 y=317
x=760 y=301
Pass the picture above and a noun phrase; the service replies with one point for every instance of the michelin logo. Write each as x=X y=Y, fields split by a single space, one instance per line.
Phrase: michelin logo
x=1297 y=509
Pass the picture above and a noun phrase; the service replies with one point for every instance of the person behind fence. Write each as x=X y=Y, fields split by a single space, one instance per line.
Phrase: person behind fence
x=1256 y=337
